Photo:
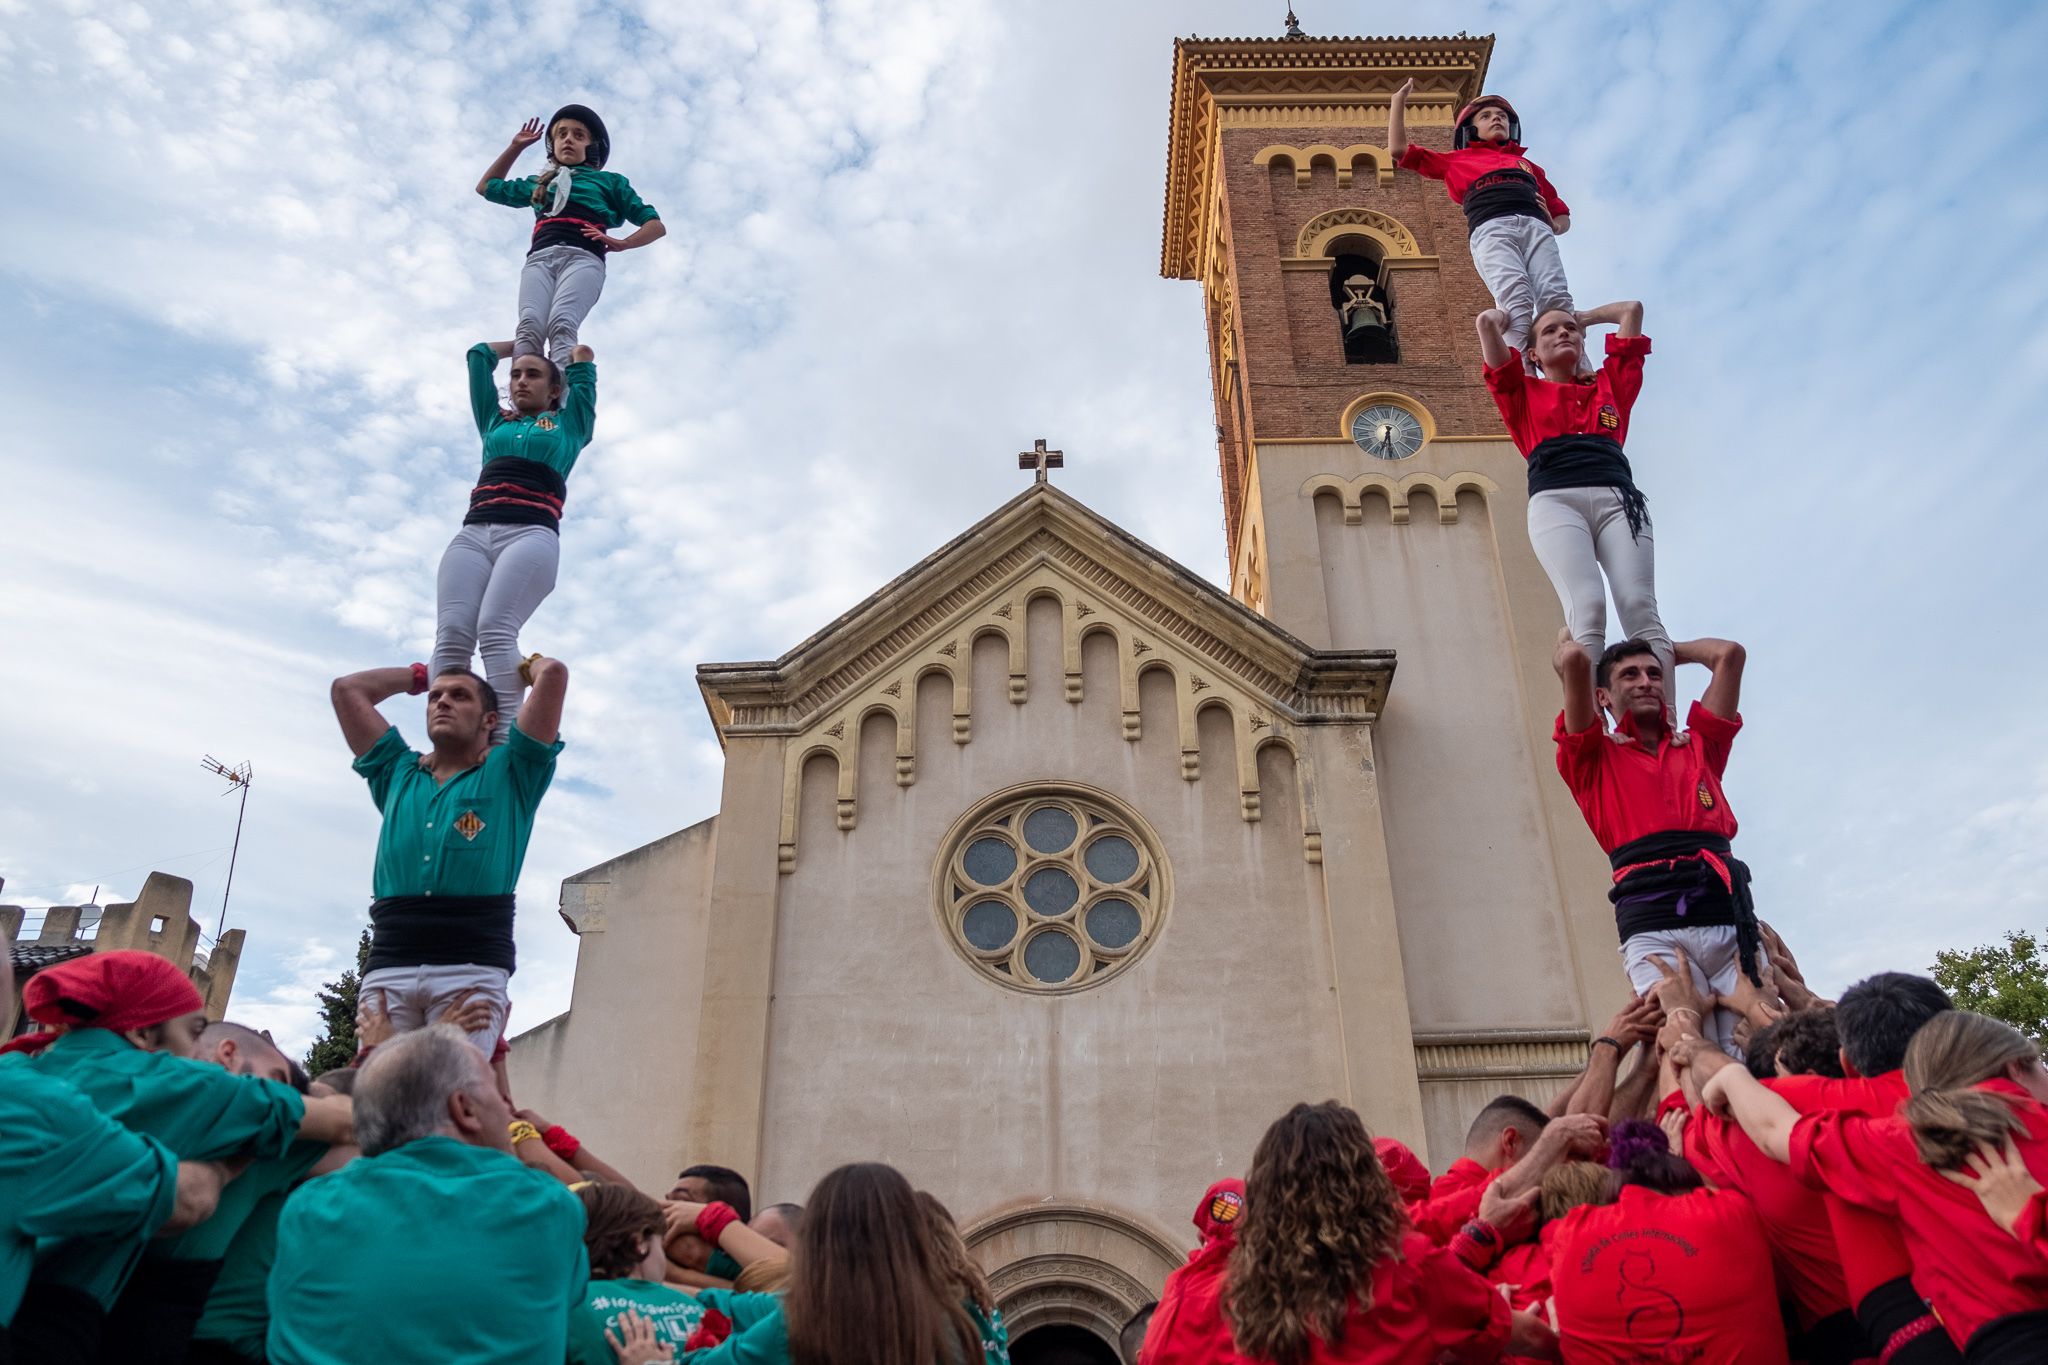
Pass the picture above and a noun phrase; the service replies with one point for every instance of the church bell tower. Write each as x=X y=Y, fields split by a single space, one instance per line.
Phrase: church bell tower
x=1371 y=499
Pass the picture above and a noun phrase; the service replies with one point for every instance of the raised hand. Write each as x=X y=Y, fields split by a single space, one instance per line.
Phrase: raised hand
x=1406 y=89
x=528 y=134
x=373 y=1025
x=1677 y=991
x=1636 y=1022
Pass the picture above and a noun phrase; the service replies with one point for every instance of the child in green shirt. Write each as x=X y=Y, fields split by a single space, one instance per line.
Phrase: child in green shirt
x=622 y=1230
x=574 y=201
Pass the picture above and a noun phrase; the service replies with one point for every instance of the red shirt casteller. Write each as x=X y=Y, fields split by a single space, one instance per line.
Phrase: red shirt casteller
x=1871 y=1247
x=1425 y=1301
x=1625 y=791
x=1655 y=1277
x=1970 y=1269
x=1460 y=168
x=1537 y=409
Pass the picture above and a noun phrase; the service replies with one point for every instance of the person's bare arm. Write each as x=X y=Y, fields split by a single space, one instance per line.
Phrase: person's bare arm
x=584 y=1160
x=528 y=134
x=1724 y=659
x=1636 y=1096
x=1562 y=1139
x=736 y=1239
x=1493 y=342
x=647 y=233
x=1999 y=1177
x=1634 y=1023
x=1575 y=674
x=540 y=716
x=1764 y=1115
x=329 y=1119
x=1397 y=119
x=1785 y=968
x=1627 y=316
x=199 y=1187
x=356 y=698
x=533 y=1152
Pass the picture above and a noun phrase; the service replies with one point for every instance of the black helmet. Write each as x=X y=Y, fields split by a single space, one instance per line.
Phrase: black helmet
x=600 y=141
x=1463 y=137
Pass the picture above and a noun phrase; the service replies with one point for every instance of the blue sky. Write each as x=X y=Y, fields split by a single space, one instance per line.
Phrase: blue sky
x=904 y=240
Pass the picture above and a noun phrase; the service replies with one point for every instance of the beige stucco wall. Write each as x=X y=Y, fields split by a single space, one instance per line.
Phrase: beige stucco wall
x=641 y=921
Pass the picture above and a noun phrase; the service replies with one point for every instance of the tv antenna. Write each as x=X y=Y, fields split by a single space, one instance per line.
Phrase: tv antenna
x=238 y=776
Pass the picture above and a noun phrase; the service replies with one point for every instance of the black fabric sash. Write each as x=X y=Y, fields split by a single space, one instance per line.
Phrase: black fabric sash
x=514 y=491
x=1895 y=1308
x=1671 y=886
x=2015 y=1339
x=1506 y=193
x=441 y=931
x=1835 y=1340
x=1582 y=460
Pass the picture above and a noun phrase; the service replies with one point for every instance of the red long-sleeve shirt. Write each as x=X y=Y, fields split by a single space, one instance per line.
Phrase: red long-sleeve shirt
x=1655 y=1277
x=1425 y=1301
x=1536 y=409
x=1971 y=1269
x=1460 y=168
x=1626 y=792
x=1870 y=1246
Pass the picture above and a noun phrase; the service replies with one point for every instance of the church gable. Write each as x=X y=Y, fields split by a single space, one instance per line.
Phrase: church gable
x=1044 y=546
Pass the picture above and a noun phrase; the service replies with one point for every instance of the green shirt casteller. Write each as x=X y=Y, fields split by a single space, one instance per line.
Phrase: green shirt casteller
x=602 y=197
x=200 y=1111
x=67 y=1170
x=554 y=439
x=463 y=837
x=674 y=1315
x=238 y=1310
x=434 y=1250
x=211 y=1239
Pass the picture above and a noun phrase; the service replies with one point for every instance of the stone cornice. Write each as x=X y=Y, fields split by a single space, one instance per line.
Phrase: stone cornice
x=1282 y=81
x=943 y=594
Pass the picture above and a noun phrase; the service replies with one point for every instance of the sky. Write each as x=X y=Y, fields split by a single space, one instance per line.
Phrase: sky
x=904 y=239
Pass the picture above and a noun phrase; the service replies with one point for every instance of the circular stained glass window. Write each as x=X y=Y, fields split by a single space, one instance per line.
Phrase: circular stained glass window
x=1052 y=889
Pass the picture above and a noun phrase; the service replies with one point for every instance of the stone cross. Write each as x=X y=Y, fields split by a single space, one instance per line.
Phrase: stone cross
x=1041 y=459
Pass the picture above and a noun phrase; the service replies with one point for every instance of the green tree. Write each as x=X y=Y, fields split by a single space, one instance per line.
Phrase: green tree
x=2009 y=982
x=337 y=1047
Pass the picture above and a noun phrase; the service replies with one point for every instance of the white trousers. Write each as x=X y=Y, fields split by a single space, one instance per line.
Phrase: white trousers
x=1716 y=962
x=558 y=287
x=1581 y=534
x=1517 y=258
x=492 y=579
x=417 y=996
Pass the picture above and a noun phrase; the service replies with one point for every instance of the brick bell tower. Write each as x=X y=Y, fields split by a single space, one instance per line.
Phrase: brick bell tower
x=1371 y=499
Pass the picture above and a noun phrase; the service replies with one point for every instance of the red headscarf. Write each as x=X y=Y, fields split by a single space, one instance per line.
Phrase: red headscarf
x=1218 y=1216
x=118 y=990
x=1410 y=1176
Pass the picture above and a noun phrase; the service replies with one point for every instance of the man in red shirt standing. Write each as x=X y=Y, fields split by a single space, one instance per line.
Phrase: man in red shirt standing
x=1653 y=799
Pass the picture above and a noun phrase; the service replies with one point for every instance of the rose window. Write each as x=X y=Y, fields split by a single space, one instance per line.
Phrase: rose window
x=1051 y=890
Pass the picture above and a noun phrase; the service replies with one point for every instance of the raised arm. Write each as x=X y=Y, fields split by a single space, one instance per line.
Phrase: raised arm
x=1724 y=659
x=1636 y=1021
x=199 y=1186
x=1575 y=674
x=528 y=134
x=1763 y=1114
x=1626 y=315
x=1493 y=341
x=540 y=716
x=356 y=698
x=329 y=1119
x=1574 y=1135
x=1397 y=119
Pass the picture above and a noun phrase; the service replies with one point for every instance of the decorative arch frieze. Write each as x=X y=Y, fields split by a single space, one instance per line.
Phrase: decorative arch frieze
x=1390 y=232
x=1443 y=492
x=1344 y=160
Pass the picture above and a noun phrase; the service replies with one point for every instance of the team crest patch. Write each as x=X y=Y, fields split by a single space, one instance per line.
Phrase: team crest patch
x=544 y=422
x=469 y=826
x=1225 y=1207
x=1610 y=420
x=1706 y=796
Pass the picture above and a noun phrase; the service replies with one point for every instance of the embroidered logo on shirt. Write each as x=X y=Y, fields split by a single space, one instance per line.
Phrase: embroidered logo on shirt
x=1610 y=420
x=1706 y=796
x=1225 y=1207
x=544 y=422
x=469 y=826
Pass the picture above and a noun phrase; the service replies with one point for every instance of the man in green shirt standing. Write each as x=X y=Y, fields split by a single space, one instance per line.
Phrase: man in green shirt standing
x=436 y=1244
x=456 y=824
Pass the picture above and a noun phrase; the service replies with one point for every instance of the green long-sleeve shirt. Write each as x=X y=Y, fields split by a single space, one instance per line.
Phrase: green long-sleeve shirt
x=673 y=1314
x=604 y=198
x=67 y=1170
x=760 y=1334
x=554 y=439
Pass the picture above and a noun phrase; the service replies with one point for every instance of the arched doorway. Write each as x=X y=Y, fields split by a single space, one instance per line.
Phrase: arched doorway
x=1061 y=1343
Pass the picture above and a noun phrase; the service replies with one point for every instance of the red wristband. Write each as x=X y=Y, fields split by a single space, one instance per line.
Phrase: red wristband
x=419 y=679
x=715 y=1219
x=561 y=1142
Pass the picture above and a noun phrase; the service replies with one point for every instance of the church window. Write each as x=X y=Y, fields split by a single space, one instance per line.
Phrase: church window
x=1363 y=296
x=1052 y=889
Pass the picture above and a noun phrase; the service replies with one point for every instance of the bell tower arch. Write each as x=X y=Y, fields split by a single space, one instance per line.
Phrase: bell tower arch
x=1371 y=499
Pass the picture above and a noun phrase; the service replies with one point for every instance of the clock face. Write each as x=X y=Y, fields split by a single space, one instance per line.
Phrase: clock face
x=1387 y=431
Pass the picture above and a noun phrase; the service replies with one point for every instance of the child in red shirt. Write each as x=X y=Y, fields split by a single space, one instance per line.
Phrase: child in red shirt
x=1511 y=211
x=1588 y=522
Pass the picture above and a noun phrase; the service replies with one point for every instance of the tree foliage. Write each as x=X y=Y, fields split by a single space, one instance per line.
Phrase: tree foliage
x=2008 y=982
x=337 y=1047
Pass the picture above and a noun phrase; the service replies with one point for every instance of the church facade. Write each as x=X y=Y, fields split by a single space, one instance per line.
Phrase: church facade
x=1052 y=874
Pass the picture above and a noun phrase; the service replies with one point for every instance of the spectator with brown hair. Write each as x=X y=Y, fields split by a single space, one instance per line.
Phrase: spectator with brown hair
x=622 y=1232
x=1327 y=1268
